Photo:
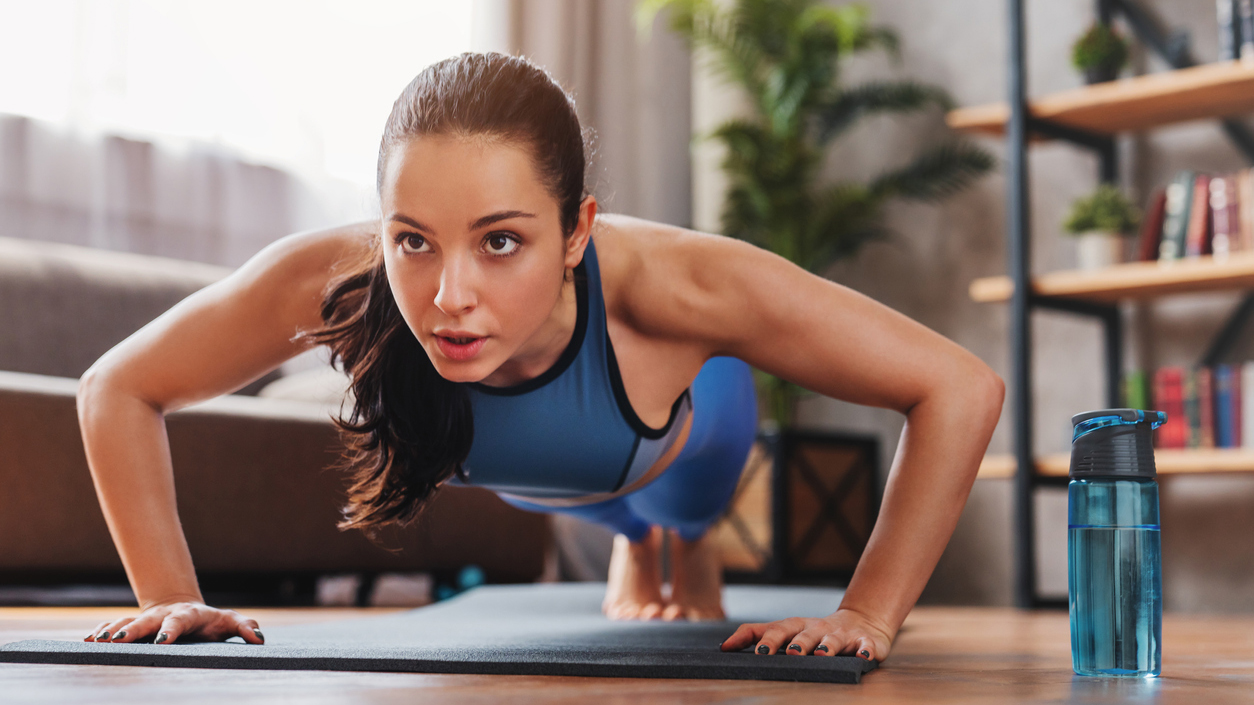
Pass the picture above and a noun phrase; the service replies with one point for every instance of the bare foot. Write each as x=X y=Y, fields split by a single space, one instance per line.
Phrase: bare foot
x=634 y=589
x=696 y=580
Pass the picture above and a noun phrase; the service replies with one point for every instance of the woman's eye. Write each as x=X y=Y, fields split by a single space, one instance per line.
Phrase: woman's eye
x=506 y=242
x=408 y=238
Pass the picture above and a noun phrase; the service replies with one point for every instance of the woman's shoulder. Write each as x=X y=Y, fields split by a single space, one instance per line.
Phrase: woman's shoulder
x=296 y=268
x=314 y=257
x=627 y=249
x=654 y=276
x=329 y=251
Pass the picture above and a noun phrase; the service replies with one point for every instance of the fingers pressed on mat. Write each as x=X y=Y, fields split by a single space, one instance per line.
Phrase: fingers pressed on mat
x=120 y=630
x=172 y=627
x=745 y=635
x=803 y=644
x=109 y=629
x=95 y=632
x=776 y=636
x=141 y=627
x=864 y=648
x=250 y=631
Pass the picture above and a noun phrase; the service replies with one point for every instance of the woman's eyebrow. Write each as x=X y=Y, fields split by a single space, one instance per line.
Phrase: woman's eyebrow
x=480 y=223
x=499 y=215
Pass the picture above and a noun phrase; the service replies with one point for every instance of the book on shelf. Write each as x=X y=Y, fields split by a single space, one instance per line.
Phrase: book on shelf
x=1136 y=392
x=1245 y=208
x=1246 y=423
x=1227 y=381
x=1223 y=239
x=1197 y=233
x=1197 y=214
x=1192 y=394
x=1169 y=398
x=1152 y=227
x=1236 y=407
x=1176 y=219
x=1207 y=407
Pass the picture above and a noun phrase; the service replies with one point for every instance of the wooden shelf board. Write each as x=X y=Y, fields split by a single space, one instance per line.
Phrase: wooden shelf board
x=1219 y=89
x=1131 y=280
x=1169 y=461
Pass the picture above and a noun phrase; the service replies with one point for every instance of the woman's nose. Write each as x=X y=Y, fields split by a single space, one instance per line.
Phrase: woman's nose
x=457 y=288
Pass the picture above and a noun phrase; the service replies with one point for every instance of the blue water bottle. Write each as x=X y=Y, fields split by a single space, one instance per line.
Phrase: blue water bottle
x=1114 y=556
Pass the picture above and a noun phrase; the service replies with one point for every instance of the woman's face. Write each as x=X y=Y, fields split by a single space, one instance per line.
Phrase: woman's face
x=473 y=247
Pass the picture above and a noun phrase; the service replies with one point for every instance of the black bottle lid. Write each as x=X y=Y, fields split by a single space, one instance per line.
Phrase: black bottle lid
x=1114 y=443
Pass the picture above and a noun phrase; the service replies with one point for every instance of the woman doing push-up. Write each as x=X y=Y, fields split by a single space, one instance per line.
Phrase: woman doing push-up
x=500 y=332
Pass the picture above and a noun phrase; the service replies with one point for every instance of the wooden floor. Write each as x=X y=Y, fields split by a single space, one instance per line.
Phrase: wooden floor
x=943 y=655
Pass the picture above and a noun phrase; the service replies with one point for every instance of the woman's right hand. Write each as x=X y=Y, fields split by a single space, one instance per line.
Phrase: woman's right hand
x=172 y=619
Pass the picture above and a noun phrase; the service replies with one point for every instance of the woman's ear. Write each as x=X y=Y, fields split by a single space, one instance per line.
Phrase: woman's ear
x=578 y=240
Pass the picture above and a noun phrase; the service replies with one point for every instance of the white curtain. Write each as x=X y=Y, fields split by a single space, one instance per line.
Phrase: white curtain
x=635 y=95
x=189 y=200
x=204 y=202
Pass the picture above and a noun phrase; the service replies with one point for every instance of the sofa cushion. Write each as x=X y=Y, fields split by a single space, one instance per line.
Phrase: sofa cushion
x=324 y=386
x=255 y=495
x=63 y=306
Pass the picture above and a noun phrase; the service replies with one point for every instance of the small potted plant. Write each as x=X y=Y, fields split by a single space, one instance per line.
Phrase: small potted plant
x=1100 y=53
x=1101 y=223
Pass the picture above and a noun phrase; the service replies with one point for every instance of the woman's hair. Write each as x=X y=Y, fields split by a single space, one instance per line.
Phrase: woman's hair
x=410 y=428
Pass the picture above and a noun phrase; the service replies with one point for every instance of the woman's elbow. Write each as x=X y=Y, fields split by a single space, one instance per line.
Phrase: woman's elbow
x=988 y=393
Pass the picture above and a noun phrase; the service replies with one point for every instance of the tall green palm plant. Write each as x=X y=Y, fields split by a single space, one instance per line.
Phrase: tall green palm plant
x=786 y=55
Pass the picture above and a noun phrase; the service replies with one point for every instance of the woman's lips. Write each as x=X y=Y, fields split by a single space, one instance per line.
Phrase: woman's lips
x=459 y=351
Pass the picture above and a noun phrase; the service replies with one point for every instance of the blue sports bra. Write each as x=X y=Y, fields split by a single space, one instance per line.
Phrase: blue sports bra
x=571 y=431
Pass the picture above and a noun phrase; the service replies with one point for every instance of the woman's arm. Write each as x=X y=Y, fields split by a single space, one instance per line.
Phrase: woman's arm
x=746 y=302
x=214 y=341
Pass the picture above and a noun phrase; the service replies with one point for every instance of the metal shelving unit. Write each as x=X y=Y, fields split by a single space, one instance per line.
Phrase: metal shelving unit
x=1092 y=117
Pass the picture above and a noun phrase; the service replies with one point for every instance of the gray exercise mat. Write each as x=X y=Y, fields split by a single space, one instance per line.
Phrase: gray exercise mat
x=532 y=629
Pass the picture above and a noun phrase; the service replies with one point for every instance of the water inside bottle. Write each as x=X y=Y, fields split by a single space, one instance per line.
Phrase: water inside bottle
x=1116 y=597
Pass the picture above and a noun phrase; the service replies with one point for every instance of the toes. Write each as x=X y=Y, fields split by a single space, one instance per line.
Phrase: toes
x=673 y=612
x=626 y=611
x=653 y=610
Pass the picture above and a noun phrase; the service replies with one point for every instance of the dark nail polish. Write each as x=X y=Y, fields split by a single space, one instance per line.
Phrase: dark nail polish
x=764 y=649
x=162 y=637
x=258 y=633
x=794 y=647
x=821 y=647
x=119 y=635
x=865 y=654
x=104 y=636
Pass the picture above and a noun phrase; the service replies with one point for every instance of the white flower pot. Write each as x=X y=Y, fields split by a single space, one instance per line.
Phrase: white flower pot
x=1096 y=249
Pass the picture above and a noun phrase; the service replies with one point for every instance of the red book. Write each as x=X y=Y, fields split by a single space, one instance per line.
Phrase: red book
x=1152 y=226
x=1169 y=397
x=1197 y=235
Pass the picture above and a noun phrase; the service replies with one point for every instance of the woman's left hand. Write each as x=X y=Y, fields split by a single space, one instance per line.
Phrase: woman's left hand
x=843 y=632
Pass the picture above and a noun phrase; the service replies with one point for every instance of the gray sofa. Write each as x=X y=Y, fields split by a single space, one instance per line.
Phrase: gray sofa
x=256 y=498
